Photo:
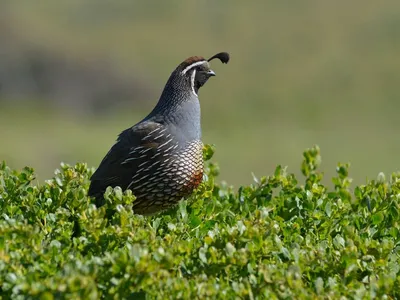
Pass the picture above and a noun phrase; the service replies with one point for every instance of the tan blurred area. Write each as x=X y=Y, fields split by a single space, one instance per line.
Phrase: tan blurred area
x=73 y=74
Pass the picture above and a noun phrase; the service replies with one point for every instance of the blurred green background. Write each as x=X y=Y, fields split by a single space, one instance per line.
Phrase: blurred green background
x=73 y=74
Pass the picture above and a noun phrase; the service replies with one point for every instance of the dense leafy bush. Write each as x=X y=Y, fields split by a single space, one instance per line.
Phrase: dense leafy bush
x=274 y=239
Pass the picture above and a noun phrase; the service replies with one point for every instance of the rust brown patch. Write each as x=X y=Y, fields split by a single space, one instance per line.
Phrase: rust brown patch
x=193 y=183
x=189 y=61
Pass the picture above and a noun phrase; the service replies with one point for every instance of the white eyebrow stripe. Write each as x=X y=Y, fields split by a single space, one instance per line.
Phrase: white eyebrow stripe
x=193 y=65
x=192 y=82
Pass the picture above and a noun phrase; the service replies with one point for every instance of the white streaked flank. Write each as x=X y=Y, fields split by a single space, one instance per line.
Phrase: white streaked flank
x=159 y=136
x=155 y=155
x=166 y=143
x=142 y=164
x=169 y=148
x=145 y=150
x=150 y=133
x=141 y=178
x=128 y=160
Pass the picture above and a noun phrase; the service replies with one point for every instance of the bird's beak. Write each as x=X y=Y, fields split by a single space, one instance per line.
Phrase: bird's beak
x=211 y=73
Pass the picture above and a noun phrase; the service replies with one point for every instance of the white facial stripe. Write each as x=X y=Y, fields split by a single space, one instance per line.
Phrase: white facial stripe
x=192 y=81
x=194 y=65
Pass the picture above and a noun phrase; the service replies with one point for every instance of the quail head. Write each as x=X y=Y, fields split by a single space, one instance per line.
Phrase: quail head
x=160 y=158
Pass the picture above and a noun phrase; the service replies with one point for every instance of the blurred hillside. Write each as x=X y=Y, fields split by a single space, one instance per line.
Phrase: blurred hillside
x=74 y=74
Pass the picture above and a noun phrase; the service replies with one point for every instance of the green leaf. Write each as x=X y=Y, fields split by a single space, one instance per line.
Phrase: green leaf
x=328 y=209
x=378 y=218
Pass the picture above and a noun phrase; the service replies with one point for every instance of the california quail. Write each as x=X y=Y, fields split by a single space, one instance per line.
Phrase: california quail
x=160 y=158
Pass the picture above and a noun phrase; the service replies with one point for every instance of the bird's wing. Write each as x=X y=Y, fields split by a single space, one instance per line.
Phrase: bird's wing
x=133 y=150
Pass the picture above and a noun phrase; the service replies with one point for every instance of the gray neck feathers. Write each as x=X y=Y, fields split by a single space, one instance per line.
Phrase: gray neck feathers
x=186 y=119
x=179 y=106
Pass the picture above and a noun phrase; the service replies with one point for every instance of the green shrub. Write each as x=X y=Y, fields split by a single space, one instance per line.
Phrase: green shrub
x=274 y=239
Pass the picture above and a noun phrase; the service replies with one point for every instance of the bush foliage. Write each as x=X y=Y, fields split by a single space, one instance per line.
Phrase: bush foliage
x=277 y=238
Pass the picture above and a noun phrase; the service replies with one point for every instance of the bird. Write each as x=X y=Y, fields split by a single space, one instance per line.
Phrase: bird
x=160 y=158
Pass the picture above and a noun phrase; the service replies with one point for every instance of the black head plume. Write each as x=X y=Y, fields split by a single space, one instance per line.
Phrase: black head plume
x=222 y=56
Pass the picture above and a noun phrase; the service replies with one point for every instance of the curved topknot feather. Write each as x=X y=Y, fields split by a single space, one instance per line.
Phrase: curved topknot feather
x=222 y=56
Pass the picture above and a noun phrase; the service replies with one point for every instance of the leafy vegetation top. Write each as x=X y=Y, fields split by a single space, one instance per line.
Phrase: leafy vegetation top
x=273 y=239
